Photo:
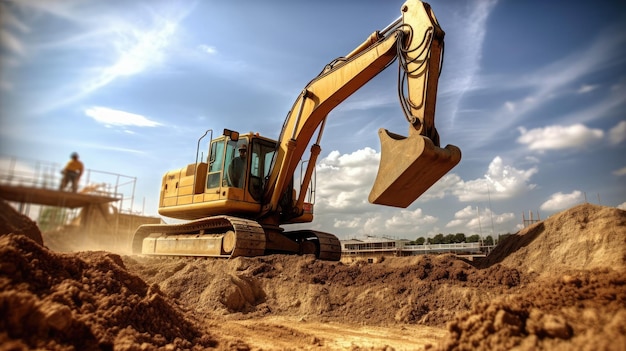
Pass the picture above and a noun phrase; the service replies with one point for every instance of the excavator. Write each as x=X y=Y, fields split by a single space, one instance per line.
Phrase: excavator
x=235 y=202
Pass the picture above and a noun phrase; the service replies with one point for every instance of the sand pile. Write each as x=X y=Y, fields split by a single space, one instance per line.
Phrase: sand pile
x=578 y=302
x=84 y=301
x=584 y=237
x=12 y=221
x=583 y=310
x=423 y=289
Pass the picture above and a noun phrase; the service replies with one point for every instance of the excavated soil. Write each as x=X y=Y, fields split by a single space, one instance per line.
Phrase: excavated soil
x=557 y=285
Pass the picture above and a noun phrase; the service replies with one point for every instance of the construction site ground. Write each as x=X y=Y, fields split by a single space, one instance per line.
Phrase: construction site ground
x=559 y=284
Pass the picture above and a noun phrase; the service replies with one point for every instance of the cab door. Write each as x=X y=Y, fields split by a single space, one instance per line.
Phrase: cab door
x=219 y=183
x=261 y=155
x=216 y=167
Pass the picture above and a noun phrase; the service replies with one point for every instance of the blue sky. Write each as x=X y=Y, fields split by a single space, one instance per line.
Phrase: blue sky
x=533 y=92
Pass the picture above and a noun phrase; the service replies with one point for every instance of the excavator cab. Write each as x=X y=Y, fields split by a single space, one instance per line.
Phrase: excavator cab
x=232 y=181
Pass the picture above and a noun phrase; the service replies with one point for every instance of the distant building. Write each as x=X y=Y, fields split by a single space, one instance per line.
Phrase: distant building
x=374 y=249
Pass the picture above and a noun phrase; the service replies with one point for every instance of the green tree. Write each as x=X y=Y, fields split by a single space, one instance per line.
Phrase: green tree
x=420 y=241
x=448 y=239
x=474 y=238
x=437 y=239
x=459 y=238
x=488 y=240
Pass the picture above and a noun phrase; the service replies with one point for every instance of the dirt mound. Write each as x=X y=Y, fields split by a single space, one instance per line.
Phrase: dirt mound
x=557 y=285
x=84 y=301
x=12 y=221
x=423 y=289
x=583 y=310
x=584 y=237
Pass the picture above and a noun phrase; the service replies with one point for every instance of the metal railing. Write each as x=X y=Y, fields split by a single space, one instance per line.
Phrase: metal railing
x=47 y=175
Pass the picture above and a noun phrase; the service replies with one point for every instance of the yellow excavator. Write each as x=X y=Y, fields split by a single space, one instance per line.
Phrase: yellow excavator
x=236 y=200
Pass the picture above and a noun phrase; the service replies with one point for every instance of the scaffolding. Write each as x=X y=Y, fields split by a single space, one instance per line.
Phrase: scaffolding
x=101 y=208
x=530 y=220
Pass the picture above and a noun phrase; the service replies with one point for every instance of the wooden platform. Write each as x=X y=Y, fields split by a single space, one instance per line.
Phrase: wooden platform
x=49 y=197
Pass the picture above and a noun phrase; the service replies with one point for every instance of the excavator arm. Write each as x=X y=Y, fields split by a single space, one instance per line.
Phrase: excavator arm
x=408 y=166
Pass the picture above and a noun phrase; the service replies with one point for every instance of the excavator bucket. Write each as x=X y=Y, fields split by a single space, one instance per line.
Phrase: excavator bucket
x=408 y=167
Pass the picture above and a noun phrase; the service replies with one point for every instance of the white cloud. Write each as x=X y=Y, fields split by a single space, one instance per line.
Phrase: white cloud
x=622 y=206
x=474 y=220
x=10 y=23
x=531 y=159
x=137 y=50
x=586 y=88
x=442 y=187
x=347 y=223
x=500 y=182
x=122 y=44
x=617 y=134
x=559 y=137
x=510 y=106
x=211 y=50
x=560 y=201
x=343 y=185
x=620 y=172
x=465 y=213
x=111 y=117
x=344 y=181
x=409 y=220
x=11 y=42
x=553 y=81
x=472 y=32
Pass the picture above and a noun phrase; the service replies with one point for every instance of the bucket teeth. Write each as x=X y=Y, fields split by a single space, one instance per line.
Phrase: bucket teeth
x=408 y=167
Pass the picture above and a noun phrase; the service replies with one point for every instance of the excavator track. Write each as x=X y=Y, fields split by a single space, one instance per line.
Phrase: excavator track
x=227 y=237
x=328 y=246
x=219 y=236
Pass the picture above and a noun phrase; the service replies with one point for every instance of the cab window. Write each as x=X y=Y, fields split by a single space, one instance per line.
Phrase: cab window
x=262 y=152
x=237 y=163
x=216 y=164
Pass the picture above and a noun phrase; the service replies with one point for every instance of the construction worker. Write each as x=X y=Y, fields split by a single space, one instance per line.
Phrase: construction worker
x=237 y=168
x=72 y=172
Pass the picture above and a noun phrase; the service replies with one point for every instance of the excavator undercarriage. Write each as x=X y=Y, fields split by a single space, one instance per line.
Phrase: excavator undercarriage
x=229 y=237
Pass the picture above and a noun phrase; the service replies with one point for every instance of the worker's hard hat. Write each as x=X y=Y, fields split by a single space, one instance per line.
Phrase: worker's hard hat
x=74 y=155
x=243 y=147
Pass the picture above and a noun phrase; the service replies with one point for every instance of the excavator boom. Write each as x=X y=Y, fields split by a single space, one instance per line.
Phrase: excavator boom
x=409 y=165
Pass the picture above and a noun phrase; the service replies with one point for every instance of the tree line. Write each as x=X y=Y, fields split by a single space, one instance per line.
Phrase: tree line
x=457 y=239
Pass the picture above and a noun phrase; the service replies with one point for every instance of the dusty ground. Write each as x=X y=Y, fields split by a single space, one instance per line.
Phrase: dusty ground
x=557 y=285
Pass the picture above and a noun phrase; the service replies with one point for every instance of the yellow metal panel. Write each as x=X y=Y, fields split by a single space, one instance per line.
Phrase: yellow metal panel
x=211 y=196
x=235 y=194
x=187 y=210
x=185 y=190
x=168 y=201
x=185 y=181
x=183 y=200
